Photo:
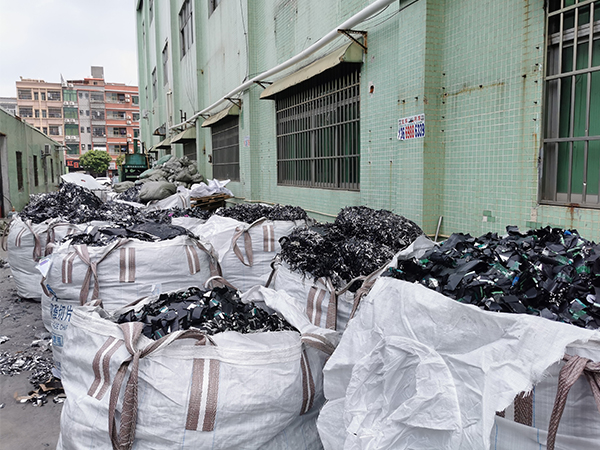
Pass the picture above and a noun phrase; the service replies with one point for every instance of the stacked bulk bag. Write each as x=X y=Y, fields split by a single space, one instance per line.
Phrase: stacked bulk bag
x=123 y=270
x=325 y=305
x=190 y=391
x=246 y=251
x=415 y=369
x=27 y=244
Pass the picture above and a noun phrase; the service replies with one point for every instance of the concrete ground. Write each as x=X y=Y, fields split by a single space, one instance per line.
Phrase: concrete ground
x=23 y=426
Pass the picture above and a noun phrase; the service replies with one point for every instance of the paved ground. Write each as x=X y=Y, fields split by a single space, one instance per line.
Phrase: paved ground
x=23 y=426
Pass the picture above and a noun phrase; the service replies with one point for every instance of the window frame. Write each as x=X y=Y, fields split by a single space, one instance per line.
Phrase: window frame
x=186 y=28
x=318 y=131
x=225 y=138
x=570 y=156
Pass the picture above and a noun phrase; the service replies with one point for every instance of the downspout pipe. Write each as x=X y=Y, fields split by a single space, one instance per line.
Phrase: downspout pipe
x=357 y=18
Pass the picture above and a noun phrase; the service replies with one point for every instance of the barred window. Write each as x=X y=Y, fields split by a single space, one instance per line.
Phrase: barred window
x=54 y=96
x=186 y=36
x=24 y=94
x=19 y=170
x=226 y=149
x=55 y=113
x=571 y=150
x=25 y=111
x=318 y=131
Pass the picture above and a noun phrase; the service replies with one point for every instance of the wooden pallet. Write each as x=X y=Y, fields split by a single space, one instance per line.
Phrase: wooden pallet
x=210 y=202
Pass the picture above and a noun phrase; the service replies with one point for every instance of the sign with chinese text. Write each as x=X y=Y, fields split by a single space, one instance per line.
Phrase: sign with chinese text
x=411 y=127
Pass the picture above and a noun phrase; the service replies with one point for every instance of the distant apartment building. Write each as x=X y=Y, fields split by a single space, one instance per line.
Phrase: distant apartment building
x=9 y=104
x=83 y=115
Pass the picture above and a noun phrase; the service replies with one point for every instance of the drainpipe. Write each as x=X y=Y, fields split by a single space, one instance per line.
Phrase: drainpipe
x=357 y=18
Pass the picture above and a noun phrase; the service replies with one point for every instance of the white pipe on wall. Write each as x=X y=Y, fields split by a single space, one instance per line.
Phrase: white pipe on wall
x=329 y=37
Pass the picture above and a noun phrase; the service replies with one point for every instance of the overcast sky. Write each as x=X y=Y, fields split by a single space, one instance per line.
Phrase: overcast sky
x=43 y=39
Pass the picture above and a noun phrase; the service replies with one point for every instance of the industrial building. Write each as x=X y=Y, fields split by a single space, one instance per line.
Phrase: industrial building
x=464 y=116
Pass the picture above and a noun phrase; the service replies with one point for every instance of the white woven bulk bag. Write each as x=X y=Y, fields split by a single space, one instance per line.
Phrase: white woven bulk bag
x=124 y=270
x=27 y=243
x=418 y=370
x=252 y=249
x=190 y=391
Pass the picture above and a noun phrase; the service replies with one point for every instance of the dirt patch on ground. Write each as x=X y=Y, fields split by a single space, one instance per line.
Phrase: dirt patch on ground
x=24 y=342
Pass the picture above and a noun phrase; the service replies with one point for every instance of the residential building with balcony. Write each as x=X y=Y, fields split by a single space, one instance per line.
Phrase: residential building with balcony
x=83 y=115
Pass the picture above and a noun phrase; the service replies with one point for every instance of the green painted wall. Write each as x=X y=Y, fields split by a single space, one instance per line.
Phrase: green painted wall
x=473 y=67
x=19 y=137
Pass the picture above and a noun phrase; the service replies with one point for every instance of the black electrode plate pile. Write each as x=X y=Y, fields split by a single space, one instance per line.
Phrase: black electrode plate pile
x=548 y=272
x=145 y=231
x=71 y=202
x=360 y=241
x=196 y=213
x=211 y=311
x=250 y=213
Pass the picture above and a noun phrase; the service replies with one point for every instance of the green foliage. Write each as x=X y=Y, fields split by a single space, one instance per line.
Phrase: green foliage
x=120 y=160
x=95 y=162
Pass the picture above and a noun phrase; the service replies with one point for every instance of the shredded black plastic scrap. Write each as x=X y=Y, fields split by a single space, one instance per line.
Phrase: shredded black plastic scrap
x=548 y=272
x=250 y=213
x=145 y=231
x=71 y=202
x=211 y=311
x=14 y=364
x=130 y=195
x=196 y=213
x=360 y=241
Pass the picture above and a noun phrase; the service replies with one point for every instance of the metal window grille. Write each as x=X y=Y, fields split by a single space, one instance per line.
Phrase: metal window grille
x=154 y=85
x=318 y=131
x=165 y=63
x=54 y=96
x=25 y=111
x=24 y=94
x=186 y=37
x=226 y=149
x=571 y=149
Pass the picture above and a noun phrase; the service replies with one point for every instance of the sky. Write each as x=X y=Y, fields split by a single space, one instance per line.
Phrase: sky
x=42 y=39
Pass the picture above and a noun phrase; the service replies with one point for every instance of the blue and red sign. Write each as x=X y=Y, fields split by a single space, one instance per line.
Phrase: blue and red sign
x=411 y=127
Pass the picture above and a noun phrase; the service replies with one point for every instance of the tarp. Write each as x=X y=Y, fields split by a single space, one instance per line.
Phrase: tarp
x=82 y=179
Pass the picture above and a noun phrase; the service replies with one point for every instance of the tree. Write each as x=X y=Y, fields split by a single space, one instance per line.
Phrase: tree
x=95 y=162
x=120 y=160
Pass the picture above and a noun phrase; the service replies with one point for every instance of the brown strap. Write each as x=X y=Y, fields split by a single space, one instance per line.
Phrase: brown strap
x=37 y=245
x=308 y=385
x=127 y=265
x=245 y=231
x=318 y=342
x=569 y=374
x=268 y=237
x=123 y=440
x=213 y=260
x=368 y=283
x=524 y=408
x=92 y=270
x=332 y=307
x=100 y=367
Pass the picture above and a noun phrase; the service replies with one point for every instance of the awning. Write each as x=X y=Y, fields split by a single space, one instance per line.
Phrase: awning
x=164 y=144
x=188 y=135
x=350 y=53
x=233 y=110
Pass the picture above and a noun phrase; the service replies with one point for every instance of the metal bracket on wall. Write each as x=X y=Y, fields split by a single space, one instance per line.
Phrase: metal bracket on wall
x=262 y=83
x=236 y=101
x=349 y=34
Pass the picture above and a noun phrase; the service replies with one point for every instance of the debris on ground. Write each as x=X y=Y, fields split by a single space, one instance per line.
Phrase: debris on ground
x=210 y=311
x=548 y=272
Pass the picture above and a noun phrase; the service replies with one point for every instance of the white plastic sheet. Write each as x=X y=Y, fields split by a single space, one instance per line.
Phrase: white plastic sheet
x=417 y=370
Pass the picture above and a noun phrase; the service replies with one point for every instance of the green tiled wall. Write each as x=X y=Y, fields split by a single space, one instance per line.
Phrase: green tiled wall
x=473 y=67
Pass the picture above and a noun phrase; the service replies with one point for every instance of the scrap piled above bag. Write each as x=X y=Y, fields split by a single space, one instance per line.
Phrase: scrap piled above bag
x=71 y=202
x=249 y=213
x=180 y=171
x=549 y=272
x=145 y=231
x=211 y=311
x=360 y=241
